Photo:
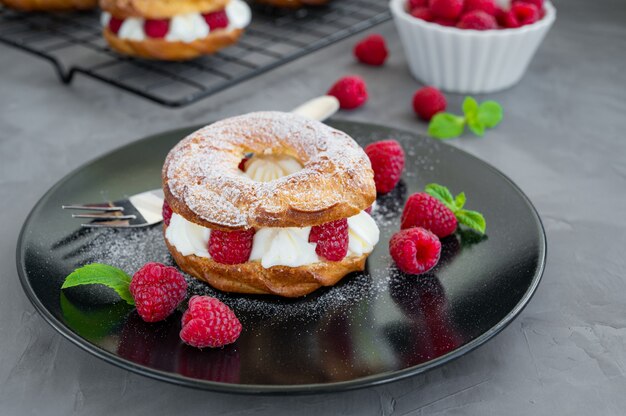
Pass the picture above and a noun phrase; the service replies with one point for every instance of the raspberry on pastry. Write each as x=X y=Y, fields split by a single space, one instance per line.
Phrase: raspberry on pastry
x=173 y=30
x=293 y=220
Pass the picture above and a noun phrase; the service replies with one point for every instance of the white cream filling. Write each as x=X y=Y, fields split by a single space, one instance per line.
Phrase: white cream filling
x=269 y=168
x=184 y=28
x=275 y=246
x=187 y=237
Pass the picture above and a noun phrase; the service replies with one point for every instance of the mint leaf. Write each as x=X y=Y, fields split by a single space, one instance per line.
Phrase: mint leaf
x=93 y=323
x=489 y=114
x=472 y=219
x=441 y=193
x=470 y=107
x=101 y=274
x=459 y=201
x=446 y=126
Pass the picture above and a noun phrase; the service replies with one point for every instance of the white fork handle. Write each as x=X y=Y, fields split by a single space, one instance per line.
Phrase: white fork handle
x=319 y=108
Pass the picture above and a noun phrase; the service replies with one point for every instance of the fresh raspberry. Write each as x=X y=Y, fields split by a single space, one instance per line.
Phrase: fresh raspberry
x=209 y=323
x=156 y=28
x=413 y=4
x=423 y=13
x=387 y=159
x=369 y=209
x=216 y=20
x=426 y=211
x=166 y=212
x=115 y=24
x=507 y=19
x=445 y=22
x=446 y=9
x=351 y=92
x=331 y=239
x=372 y=50
x=415 y=250
x=526 y=13
x=487 y=6
x=428 y=101
x=230 y=247
x=537 y=3
x=157 y=289
x=477 y=20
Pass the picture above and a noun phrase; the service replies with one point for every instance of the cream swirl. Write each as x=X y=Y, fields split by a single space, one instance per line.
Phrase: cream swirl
x=269 y=168
x=187 y=237
x=275 y=246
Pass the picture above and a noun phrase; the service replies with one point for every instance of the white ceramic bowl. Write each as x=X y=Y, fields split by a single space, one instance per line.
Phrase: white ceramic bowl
x=468 y=61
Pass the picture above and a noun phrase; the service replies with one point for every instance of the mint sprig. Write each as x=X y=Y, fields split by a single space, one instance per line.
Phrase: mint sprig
x=477 y=117
x=471 y=219
x=101 y=274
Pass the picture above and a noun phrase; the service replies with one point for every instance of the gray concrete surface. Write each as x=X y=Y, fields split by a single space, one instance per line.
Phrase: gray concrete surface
x=562 y=141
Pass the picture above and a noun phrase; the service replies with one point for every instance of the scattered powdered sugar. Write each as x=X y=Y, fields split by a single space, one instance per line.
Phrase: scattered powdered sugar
x=202 y=170
x=129 y=250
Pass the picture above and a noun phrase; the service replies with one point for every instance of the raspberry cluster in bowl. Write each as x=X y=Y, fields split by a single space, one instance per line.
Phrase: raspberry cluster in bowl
x=477 y=14
x=441 y=53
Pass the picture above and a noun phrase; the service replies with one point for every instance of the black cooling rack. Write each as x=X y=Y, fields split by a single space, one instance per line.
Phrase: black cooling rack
x=73 y=44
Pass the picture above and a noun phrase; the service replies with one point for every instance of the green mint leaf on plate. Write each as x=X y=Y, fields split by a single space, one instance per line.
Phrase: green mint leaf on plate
x=459 y=201
x=489 y=114
x=446 y=126
x=472 y=219
x=441 y=193
x=101 y=274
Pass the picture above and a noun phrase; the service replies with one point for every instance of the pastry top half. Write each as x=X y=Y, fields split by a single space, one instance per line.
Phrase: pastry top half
x=160 y=9
x=203 y=184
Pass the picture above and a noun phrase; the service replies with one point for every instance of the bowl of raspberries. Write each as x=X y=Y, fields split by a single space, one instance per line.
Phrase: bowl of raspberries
x=471 y=46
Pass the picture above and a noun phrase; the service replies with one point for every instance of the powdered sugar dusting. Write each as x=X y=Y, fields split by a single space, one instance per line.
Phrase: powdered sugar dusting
x=202 y=169
x=129 y=250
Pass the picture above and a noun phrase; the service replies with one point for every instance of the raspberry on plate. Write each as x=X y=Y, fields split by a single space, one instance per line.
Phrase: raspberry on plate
x=487 y=6
x=156 y=28
x=209 y=323
x=415 y=250
x=423 y=13
x=372 y=50
x=428 y=101
x=216 y=20
x=351 y=91
x=423 y=210
x=231 y=247
x=157 y=290
x=439 y=212
x=387 y=159
x=331 y=239
x=477 y=20
x=446 y=9
x=166 y=212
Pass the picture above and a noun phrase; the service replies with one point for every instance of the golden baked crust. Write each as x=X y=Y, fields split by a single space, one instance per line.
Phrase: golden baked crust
x=161 y=9
x=293 y=4
x=202 y=183
x=50 y=5
x=252 y=278
x=173 y=51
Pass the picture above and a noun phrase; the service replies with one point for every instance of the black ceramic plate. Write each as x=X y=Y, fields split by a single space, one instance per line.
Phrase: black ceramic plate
x=372 y=328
